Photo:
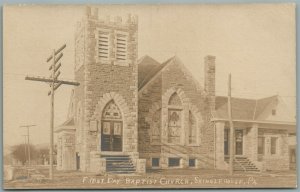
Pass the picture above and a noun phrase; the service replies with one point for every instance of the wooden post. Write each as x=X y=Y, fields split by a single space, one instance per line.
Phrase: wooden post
x=28 y=143
x=52 y=118
x=25 y=148
x=231 y=138
x=54 y=83
x=29 y=163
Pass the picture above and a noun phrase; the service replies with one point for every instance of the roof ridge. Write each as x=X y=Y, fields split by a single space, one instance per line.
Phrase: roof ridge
x=159 y=67
x=146 y=56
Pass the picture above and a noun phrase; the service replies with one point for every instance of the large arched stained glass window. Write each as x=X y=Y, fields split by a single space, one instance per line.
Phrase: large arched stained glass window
x=174 y=119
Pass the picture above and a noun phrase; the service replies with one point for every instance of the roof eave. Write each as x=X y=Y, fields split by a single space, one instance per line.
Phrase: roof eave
x=256 y=121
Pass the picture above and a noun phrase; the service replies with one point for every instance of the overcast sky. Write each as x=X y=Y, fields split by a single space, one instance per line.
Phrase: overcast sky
x=256 y=43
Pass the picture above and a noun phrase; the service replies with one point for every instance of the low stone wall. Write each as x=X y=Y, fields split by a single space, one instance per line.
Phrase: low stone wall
x=97 y=164
x=279 y=163
x=141 y=166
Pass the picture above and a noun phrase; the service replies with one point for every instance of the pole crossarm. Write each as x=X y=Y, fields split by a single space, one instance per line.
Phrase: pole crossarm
x=27 y=125
x=56 y=52
x=50 y=80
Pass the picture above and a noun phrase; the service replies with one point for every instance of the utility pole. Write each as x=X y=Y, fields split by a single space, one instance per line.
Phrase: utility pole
x=25 y=146
x=54 y=83
x=28 y=143
x=231 y=138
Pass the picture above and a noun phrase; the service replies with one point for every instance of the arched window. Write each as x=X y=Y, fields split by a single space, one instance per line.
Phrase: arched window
x=174 y=119
x=156 y=127
x=192 y=129
x=111 y=132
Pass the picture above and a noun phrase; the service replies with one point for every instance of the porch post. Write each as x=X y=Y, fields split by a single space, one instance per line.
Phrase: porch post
x=220 y=163
x=252 y=137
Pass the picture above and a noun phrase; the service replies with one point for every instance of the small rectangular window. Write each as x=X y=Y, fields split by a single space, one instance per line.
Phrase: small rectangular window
x=121 y=51
x=192 y=162
x=273 y=145
x=103 y=45
x=273 y=112
x=174 y=162
x=155 y=162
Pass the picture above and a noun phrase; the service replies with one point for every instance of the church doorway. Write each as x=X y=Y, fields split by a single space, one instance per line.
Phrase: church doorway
x=112 y=126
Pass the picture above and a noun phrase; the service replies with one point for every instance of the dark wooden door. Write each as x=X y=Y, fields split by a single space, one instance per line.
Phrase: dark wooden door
x=111 y=136
x=239 y=142
x=77 y=161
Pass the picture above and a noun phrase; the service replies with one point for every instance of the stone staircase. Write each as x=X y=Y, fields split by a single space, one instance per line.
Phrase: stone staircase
x=119 y=164
x=243 y=164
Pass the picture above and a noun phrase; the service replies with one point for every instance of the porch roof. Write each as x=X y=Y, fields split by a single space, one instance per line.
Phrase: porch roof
x=283 y=125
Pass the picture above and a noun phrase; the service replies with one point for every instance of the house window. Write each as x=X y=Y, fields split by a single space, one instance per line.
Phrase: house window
x=261 y=145
x=192 y=129
x=174 y=119
x=174 y=162
x=292 y=156
x=103 y=45
x=226 y=141
x=155 y=162
x=273 y=145
x=156 y=127
x=121 y=49
x=192 y=162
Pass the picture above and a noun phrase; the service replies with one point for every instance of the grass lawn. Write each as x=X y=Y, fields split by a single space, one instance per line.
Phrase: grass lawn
x=175 y=178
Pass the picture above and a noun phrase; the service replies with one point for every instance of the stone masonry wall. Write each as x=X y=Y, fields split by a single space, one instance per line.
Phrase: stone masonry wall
x=149 y=99
x=280 y=160
x=101 y=77
x=79 y=105
x=174 y=76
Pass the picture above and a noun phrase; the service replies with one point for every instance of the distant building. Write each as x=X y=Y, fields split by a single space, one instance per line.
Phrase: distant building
x=128 y=115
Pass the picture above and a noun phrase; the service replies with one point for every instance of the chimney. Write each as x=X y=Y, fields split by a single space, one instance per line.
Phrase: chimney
x=88 y=11
x=94 y=12
x=210 y=79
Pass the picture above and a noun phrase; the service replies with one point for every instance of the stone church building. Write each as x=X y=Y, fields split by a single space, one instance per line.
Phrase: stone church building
x=131 y=114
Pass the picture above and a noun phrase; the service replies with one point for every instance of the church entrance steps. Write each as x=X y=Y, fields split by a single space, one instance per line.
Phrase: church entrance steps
x=119 y=164
x=243 y=164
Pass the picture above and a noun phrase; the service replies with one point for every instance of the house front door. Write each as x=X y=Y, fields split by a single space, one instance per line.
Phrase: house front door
x=111 y=136
x=239 y=142
x=77 y=161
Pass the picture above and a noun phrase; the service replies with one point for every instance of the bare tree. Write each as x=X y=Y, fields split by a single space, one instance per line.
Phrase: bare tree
x=18 y=153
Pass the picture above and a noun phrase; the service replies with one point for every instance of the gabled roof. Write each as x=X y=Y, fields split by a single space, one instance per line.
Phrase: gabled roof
x=148 y=68
x=67 y=125
x=263 y=103
x=145 y=65
x=69 y=122
x=242 y=109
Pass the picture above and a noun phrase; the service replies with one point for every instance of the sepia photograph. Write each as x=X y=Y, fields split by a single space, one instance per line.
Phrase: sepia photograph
x=149 y=96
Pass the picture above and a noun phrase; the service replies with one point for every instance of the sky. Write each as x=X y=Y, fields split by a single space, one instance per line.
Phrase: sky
x=255 y=43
